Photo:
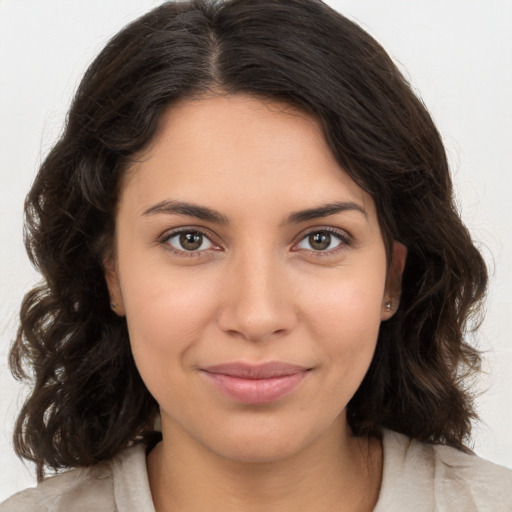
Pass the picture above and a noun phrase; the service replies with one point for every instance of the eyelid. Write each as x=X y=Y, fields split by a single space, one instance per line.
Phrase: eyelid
x=345 y=239
x=167 y=235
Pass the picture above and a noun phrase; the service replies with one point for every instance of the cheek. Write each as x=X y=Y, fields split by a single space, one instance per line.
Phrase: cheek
x=166 y=314
x=164 y=309
x=349 y=300
x=344 y=319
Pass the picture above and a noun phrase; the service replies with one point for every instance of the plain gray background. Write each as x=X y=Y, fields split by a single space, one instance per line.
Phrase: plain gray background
x=456 y=53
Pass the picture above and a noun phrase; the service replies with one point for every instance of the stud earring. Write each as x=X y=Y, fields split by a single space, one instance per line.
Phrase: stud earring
x=114 y=305
x=388 y=306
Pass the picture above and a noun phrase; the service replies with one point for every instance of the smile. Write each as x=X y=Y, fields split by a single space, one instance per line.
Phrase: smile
x=260 y=384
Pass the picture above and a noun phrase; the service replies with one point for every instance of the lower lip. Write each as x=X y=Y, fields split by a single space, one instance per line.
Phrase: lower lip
x=255 y=391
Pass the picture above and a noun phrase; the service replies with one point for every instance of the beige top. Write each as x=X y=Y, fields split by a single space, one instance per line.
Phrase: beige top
x=417 y=477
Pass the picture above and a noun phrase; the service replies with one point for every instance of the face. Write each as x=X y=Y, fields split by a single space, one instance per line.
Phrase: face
x=253 y=276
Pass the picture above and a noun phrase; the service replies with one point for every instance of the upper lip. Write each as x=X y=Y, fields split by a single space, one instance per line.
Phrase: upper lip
x=256 y=371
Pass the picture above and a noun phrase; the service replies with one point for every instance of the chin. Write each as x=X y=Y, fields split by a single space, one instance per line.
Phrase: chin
x=264 y=445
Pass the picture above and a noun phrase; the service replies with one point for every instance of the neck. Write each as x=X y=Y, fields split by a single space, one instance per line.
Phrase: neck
x=336 y=472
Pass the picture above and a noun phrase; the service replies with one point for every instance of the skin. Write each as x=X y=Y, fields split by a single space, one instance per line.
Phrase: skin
x=256 y=289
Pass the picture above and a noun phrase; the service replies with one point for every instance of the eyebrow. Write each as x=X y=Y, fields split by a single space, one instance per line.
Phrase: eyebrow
x=207 y=214
x=324 y=211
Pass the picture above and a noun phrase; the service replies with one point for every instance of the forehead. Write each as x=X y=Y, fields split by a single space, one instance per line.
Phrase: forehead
x=226 y=148
x=271 y=128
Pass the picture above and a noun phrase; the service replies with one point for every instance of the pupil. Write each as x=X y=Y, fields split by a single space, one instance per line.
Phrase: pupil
x=191 y=241
x=320 y=241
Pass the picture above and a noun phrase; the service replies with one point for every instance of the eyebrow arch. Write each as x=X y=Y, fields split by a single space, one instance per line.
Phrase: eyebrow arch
x=189 y=209
x=208 y=214
x=324 y=211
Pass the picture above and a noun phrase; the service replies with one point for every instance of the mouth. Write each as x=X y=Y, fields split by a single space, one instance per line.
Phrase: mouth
x=255 y=384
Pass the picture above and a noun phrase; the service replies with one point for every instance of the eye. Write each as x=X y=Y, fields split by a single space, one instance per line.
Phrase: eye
x=324 y=240
x=188 y=241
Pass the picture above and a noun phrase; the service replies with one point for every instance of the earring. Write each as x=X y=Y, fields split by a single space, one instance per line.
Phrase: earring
x=388 y=306
x=114 y=305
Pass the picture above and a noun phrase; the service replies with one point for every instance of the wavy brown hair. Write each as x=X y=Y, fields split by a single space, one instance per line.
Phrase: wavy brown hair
x=88 y=401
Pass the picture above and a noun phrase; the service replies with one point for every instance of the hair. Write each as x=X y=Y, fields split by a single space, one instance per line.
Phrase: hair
x=88 y=400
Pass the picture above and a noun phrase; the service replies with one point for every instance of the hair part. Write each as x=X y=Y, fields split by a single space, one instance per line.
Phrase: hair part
x=88 y=401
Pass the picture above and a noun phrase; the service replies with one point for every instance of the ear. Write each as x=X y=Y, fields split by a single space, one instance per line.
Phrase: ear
x=394 y=281
x=114 y=288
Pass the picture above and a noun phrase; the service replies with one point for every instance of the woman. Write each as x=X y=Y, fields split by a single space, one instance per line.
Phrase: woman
x=248 y=237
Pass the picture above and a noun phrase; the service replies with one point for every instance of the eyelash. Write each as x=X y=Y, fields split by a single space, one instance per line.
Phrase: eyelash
x=345 y=241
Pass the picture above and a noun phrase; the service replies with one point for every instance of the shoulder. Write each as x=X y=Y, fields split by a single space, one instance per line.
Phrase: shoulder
x=439 y=477
x=466 y=481
x=77 y=489
x=81 y=490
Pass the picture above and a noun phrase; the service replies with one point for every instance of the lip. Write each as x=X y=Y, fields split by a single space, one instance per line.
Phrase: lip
x=255 y=384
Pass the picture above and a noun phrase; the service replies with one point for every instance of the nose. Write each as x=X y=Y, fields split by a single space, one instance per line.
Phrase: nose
x=257 y=301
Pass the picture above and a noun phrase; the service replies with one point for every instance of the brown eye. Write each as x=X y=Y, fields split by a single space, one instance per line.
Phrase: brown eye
x=323 y=241
x=320 y=241
x=189 y=241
